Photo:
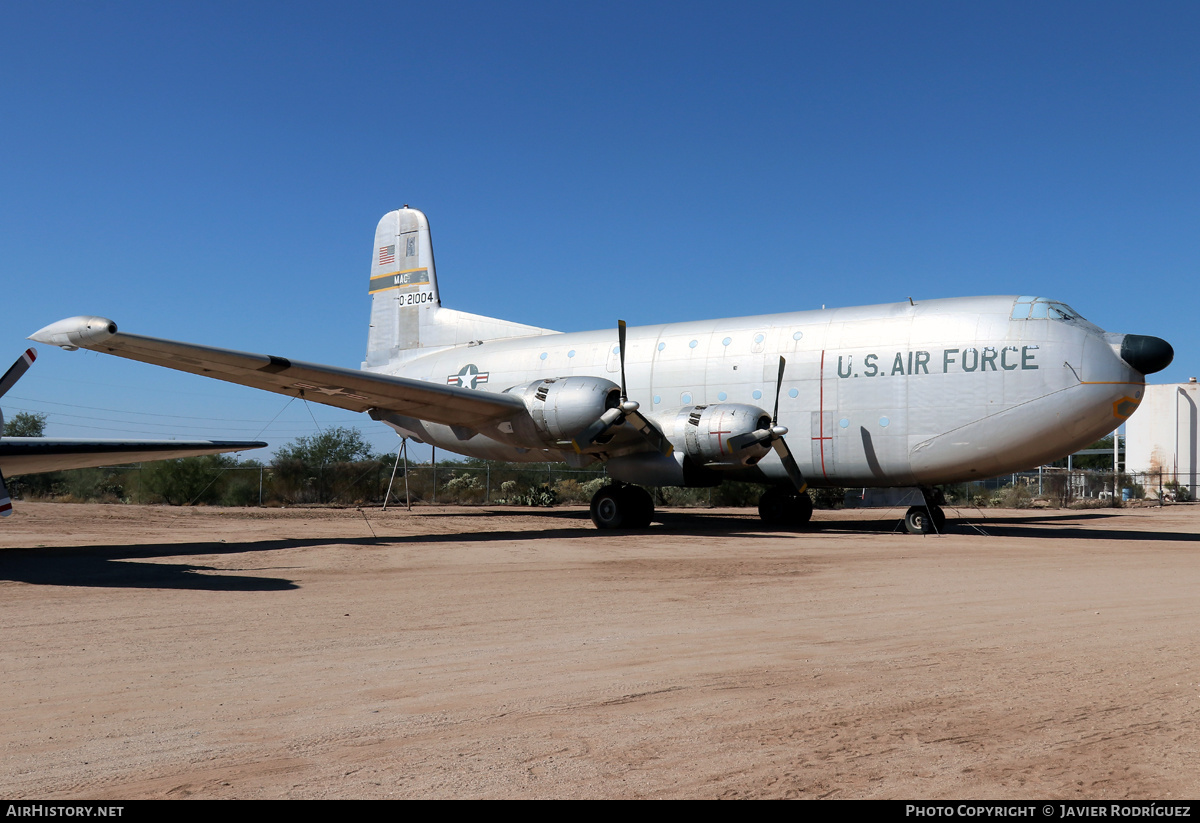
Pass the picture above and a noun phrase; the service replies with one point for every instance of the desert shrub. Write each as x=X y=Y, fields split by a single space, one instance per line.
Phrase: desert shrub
x=571 y=491
x=831 y=498
x=1182 y=494
x=464 y=488
x=1012 y=497
x=542 y=495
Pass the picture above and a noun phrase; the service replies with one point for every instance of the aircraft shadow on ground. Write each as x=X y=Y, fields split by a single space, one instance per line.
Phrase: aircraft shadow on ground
x=1059 y=525
x=706 y=523
x=118 y=566
x=1068 y=533
x=692 y=521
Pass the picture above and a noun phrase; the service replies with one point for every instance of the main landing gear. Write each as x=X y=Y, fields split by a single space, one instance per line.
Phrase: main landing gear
x=928 y=519
x=784 y=506
x=925 y=520
x=622 y=507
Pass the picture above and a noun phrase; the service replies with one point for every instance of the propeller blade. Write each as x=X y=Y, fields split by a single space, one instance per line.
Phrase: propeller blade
x=621 y=347
x=779 y=444
x=759 y=436
x=626 y=410
x=605 y=422
x=789 y=465
x=16 y=370
x=778 y=388
x=7 y=382
x=745 y=441
x=650 y=431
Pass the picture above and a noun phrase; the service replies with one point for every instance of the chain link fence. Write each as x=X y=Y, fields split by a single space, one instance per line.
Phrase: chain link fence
x=482 y=483
x=1071 y=488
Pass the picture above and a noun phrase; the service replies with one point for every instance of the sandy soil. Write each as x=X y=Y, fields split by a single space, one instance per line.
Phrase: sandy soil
x=168 y=652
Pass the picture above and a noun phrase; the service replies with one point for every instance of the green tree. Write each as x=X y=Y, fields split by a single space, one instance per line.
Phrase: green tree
x=29 y=424
x=337 y=444
x=186 y=480
x=334 y=465
x=242 y=486
x=26 y=424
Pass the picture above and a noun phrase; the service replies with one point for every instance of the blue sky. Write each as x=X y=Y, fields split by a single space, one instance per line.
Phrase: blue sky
x=213 y=172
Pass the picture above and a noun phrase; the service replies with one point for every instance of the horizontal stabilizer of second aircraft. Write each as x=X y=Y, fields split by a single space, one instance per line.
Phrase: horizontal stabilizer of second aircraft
x=33 y=455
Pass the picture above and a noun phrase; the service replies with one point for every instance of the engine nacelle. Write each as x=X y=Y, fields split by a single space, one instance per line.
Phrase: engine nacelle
x=702 y=433
x=560 y=408
x=74 y=332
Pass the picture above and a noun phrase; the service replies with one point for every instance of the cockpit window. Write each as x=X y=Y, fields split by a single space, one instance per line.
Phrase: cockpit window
x=1039 y=308
x=1021 y=308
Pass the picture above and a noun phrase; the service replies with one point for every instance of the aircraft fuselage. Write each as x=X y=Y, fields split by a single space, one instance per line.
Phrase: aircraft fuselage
x=888 y=395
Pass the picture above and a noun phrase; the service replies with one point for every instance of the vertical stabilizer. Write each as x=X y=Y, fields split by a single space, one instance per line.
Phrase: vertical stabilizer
x=406 y=310
x=404 y=295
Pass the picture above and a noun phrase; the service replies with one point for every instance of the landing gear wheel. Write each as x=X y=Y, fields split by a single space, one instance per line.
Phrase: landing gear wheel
x=607 y=509
x=622 y=507
x=640 y=505
x=783 y=506
x=939 y=518
x=921 y=520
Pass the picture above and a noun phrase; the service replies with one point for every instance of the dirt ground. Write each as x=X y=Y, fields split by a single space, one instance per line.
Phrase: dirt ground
x=155 y=652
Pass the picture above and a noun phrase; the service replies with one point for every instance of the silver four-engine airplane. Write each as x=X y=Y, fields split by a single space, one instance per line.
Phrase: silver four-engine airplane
x=917 y=394
x=34 y=455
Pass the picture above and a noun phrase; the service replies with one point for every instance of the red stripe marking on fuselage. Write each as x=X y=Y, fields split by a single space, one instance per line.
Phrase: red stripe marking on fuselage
x=821 y=416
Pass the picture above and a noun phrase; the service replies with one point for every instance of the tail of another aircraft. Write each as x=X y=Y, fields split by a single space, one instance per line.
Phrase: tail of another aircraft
x=406 y=309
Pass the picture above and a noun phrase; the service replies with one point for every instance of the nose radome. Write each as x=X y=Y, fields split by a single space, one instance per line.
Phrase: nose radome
x=1146 y=354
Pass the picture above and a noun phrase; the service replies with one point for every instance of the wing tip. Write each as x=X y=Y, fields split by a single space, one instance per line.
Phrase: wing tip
x=76 y=332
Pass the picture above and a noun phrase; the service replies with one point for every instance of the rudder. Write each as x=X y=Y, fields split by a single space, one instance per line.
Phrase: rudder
x=403 y=287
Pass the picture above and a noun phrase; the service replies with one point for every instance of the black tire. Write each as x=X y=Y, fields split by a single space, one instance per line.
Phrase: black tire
x=783 y=506
x=639 y=506
x=803 y=511
x=608 y=508
x=939 y=518
x=622 y=507
x=918 y=520
x=772 y=505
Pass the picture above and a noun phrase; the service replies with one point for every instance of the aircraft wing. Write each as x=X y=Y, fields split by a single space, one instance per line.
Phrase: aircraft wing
x=332 y=385
x=32 y=455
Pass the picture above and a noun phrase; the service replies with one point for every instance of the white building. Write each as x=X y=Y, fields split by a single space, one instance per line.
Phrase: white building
x=1161 y=435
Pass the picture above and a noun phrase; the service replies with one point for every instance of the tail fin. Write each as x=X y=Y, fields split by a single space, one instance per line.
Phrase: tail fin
x=403 y=284
x=406 y=310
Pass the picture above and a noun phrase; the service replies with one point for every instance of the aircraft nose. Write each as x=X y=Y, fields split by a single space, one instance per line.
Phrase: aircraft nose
x=1146 y=354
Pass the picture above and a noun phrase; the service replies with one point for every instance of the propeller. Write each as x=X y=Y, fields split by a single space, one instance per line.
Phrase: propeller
x=7 y=382
x=774 y=437
x=626 y=409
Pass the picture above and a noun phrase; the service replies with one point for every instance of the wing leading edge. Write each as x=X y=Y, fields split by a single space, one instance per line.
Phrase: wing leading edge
x=331 y=385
